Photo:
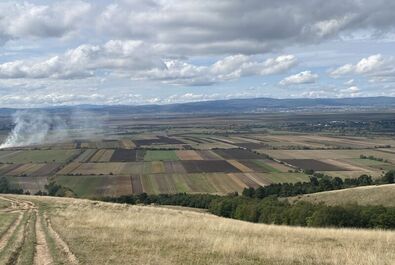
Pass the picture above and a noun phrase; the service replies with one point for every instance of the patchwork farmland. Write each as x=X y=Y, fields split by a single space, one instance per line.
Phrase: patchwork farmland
x=197 y=155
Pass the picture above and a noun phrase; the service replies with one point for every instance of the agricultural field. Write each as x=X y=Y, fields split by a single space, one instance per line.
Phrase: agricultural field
x=198 y=154
x=74 y=231
x=36 y=156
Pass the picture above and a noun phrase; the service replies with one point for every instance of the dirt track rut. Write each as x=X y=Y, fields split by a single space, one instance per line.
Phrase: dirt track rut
x=13 y=239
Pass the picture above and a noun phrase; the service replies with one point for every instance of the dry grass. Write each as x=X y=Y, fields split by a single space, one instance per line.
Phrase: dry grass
x=369 y=195
x=104 y=233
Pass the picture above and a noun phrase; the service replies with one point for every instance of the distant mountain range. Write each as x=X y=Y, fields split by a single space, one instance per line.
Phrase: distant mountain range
x=241 y=106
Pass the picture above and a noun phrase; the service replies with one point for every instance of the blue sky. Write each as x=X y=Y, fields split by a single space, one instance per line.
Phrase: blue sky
x=167 y=51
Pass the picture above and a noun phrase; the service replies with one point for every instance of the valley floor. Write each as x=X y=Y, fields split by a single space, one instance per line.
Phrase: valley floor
x=44 y=230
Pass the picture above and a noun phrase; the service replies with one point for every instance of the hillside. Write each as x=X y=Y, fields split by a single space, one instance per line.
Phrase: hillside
x=369 y=195
x=72 y=231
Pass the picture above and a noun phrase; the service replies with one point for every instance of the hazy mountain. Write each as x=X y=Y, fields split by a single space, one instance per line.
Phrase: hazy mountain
x=241 y=105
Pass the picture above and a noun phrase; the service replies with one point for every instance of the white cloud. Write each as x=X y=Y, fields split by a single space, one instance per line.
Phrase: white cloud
x=82 y=61
x=30 y=20
x=349 y=82
x=229 y=68
x=369 y=64
x=305 y=77
x=374 y=65
x=147 y=46
x=342 y=70
x=351 y=91
x=138 y=61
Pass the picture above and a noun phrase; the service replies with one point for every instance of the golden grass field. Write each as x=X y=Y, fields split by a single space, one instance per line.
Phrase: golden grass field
x=75 y=231
x=369 y=195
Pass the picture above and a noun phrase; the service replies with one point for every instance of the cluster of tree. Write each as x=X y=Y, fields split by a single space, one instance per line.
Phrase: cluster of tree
x=318 y=182
x=273 y=211
x=6 y=188
x=202 y=201
x=54 y=189
x=373 y=158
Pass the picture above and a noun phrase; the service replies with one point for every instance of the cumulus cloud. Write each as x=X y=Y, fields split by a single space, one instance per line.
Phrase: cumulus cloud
x=352 y=91
x=138 y=61
x=229 y=68
x=82 y=61
x=42 y=21
x=130 y=43
x=305 y=77
x=374 y=65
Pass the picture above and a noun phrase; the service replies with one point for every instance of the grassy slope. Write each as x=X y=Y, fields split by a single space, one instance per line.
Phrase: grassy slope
x=369 y=195
x=104 y=233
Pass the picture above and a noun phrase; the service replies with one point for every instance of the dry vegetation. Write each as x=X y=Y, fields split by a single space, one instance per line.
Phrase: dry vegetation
x=369 y=195
x=75 y=231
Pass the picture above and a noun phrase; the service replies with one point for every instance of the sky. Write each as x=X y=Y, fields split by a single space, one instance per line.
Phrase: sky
x=165 y=51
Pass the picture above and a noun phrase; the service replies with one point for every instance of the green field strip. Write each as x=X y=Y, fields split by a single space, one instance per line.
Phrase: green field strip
x=164 y=183
x=286 y=177
x=40 y=156
x=149 y=184
x=147 y=168
x=223 y=183
x=180 y=183
x=199 y=183
x=367 y=162
x=265 y=166
x=83 y=186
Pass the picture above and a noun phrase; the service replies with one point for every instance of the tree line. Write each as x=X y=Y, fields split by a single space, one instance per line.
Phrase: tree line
x=318 y=182
x=272 y=210
x=266 y=204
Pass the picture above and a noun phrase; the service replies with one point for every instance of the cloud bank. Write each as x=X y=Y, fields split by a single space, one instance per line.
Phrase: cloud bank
x=136 y=51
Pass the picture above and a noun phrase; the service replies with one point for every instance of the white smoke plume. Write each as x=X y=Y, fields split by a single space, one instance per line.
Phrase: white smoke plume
x=40 y=127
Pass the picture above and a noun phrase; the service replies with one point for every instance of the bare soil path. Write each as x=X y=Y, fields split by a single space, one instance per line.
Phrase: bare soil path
x=18 y=231
x=42 y=254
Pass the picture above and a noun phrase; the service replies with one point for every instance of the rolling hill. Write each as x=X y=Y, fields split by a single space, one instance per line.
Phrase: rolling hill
x=369 y=195
x=74 y=231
